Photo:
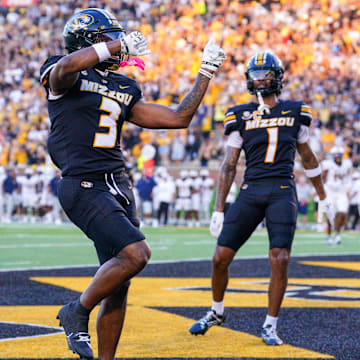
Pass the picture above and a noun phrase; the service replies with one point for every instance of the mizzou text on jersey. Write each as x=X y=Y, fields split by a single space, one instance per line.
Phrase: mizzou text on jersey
x=86 y=120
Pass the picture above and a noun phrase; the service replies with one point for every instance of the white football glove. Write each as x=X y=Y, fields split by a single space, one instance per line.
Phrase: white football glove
x=216 y=223
x=326 y=207
x=134 y=44
x=213 y=56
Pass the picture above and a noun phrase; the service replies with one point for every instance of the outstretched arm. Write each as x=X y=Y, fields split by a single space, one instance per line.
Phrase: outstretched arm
x=154 y=116
x=226 y=176
x=66 y=71
x=310 y=162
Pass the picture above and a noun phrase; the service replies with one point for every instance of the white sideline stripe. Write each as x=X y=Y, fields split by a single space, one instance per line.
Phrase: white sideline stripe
x=62 y=245
x=177 y=261
x=30 y=337
x=48 y=245
x=311 y=235
x=36 y=225
x=50 y=267
x=34 y=325
x=257 y=242
x=61 y=330
x=25 y=235
x=348 y=237
x=154 y=246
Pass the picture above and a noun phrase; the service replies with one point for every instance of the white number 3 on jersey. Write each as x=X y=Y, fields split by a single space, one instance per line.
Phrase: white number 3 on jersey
x=108 y=140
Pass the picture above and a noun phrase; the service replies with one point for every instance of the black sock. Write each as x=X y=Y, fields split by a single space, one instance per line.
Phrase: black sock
x=81 y=309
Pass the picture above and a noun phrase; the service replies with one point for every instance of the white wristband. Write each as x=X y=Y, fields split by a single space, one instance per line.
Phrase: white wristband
x=310 y=173
x=102 y=51
x=205 y=73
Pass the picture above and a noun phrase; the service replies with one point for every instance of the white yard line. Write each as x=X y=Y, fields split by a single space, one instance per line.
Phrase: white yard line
x=29 y=235
x=46 y=245
x=33 y=325
x=176 y=261
x=16 y=263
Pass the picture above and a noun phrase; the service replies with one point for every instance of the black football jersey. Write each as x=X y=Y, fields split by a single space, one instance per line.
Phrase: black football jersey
x=269 y=140
x=86 y=121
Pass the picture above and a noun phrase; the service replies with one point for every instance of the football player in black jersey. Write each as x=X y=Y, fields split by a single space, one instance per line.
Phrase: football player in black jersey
x=87 y=104
x=270 y=131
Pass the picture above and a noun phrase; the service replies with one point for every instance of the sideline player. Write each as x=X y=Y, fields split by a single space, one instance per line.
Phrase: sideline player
x=28 y=195
x=337 y=175
x=270 y=131
x=207 y=189
x=183 y=197
x=88 y=104
x=194 y=218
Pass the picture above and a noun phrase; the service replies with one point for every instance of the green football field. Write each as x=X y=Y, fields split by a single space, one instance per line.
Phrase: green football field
x=29 y=246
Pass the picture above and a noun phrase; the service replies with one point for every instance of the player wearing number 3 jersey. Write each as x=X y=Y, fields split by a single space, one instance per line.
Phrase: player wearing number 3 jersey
x=88 y=104
x=269 y=131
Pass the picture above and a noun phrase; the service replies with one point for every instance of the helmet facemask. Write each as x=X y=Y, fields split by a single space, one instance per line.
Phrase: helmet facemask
x=338 y=159
x=266 y=69
x=266 y=81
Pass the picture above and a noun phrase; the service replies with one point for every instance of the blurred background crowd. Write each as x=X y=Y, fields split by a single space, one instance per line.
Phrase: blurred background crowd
x=317 y=40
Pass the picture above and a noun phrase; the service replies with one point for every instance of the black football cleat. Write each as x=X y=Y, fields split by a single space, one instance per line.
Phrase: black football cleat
x=205 y=323
x=76 y=330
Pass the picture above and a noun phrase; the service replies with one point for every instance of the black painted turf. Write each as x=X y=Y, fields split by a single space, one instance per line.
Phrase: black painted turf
x=19 y=330
x=331 y=331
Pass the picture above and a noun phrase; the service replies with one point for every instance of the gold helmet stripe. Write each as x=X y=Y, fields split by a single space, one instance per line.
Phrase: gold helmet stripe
x=261 y=59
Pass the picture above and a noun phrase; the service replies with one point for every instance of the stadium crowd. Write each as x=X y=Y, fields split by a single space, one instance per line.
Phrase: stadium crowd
x=318 y=41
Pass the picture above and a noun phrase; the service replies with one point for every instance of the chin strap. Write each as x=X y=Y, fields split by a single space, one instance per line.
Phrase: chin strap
x=262 y=106
x=135 y=61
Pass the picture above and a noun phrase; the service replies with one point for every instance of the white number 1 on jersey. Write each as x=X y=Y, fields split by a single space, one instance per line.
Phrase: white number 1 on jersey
x=273 y=134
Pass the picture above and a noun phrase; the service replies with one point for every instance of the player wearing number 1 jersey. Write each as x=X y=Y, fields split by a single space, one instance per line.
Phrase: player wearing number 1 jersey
x=88 y=104
x=269 y=131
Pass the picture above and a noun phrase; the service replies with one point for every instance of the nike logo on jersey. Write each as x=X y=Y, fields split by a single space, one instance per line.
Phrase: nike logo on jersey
x=123 y=87
x=285 y=112
x=273 y=122
x=284 y=187
x=91 y=86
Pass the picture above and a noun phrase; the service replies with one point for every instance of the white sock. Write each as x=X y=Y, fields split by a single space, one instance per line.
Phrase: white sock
x=270 y=320
x=218 y=307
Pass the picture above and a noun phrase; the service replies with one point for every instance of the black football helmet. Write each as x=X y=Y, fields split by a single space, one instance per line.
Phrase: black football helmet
x=91 y=26
x=264 y=66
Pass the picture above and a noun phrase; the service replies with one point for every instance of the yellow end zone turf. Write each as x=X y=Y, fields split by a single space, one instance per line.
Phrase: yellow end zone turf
x=148 y=333
x=152 y=333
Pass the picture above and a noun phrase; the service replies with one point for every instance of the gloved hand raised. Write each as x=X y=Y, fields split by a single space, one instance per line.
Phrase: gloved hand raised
x=213 y=56
x=134 y=44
